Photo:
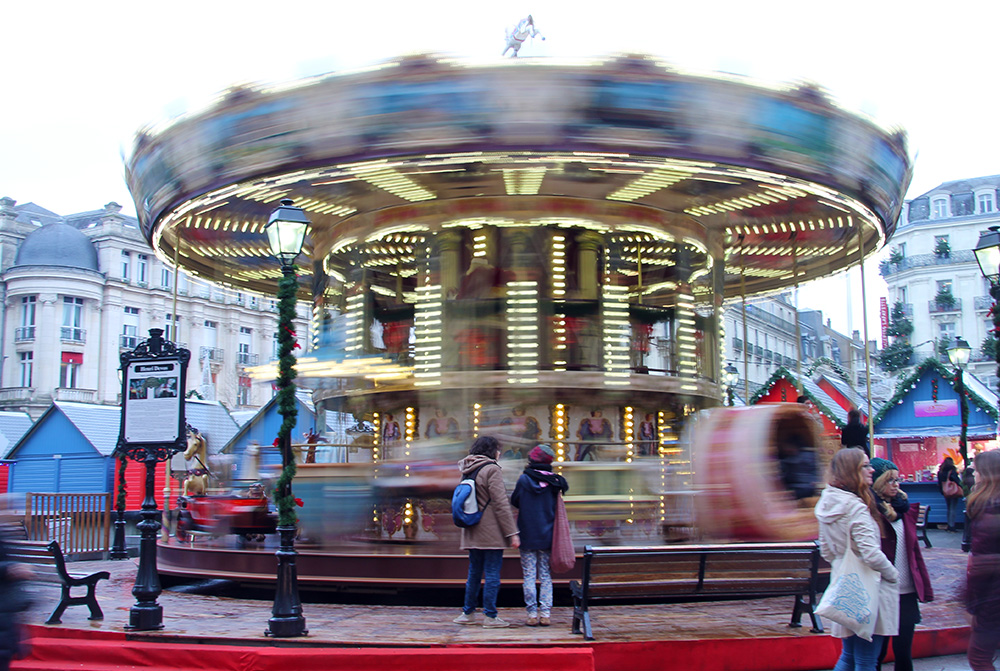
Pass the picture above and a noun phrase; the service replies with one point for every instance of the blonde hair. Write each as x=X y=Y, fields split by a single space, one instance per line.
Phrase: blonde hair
x=845 y=473
x=880 y=485
x=987 y=488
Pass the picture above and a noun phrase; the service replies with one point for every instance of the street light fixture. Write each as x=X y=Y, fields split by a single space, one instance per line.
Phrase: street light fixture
x=988 y=253
x=730 y=376
x=958 y=353
x=286 y=229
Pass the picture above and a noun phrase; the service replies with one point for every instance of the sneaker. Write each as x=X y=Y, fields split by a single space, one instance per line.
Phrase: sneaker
x=544 y=621
x=494 y=623
x=464 y=618
x=532 y=621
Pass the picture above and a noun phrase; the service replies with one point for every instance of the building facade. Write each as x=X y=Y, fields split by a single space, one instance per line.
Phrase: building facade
x=80 y=289
x=931 y=269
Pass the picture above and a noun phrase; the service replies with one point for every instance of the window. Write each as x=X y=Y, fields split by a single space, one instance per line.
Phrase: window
x=170 y=328
x=946 y=329
x=131 y=311
x=27 y=329
x=125 y=265
x=940 y=208
x=902 y=295
x=27 y=362
x=944 y=285
x=72 y=325
x=243 y=391
x=130 y=328
x=211 y=334
x=985 y=203
x=69 y=369
x=274 y=347
x=166 y=278
x=142 y=269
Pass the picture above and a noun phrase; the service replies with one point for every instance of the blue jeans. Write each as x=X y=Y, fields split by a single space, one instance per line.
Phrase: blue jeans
x=480 y=561
x=951 y=506
x=858 y=654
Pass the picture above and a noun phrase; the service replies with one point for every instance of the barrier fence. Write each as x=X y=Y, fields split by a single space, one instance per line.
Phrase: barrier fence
x=81 y=523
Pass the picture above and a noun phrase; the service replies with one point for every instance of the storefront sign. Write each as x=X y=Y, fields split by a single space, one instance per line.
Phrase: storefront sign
x=946 y=408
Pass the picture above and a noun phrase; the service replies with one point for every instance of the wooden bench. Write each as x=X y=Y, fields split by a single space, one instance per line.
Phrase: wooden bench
x=47 y=561
x=698 y=572
x=925 y=511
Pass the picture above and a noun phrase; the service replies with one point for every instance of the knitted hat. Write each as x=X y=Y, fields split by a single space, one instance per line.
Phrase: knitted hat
x=541 y=454
x=881 y=466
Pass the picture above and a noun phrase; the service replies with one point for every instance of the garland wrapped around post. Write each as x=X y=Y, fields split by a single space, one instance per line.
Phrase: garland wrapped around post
x=287 y=289
x=122 y=489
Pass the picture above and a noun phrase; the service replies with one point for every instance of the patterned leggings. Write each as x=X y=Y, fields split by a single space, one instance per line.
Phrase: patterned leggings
x=535 y=566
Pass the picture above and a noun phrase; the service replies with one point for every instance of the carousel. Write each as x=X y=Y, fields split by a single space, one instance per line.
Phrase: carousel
x=533 y=249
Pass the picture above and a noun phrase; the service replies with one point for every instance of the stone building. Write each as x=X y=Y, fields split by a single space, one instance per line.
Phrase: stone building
x=78 y=290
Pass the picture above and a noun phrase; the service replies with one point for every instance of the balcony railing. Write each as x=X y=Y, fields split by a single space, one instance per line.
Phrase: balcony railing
x=767 y=355
x=73 y=334
x=758 y=351
x=24 y=333
x=737 y=344
x=9 y=394
x=908 y=310
x=982 y=303
x=128 y=341
x=924 y=260
x=214 y=354
x=934 y=308
x=246 y=359
x=75 y=395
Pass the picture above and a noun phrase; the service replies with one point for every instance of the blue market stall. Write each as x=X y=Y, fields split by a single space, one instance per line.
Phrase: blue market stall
x=920 y=425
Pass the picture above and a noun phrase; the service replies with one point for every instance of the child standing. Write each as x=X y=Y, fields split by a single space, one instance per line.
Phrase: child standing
x=535 y=498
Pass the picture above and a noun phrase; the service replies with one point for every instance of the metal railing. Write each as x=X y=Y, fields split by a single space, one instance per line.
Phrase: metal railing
x=924 y=260
x=982 y=303
x=24 y=333
x=74 y=395
x=73 y=334
x=935 y=308
x=80 y=522
x=246 y=359
x=214 y=354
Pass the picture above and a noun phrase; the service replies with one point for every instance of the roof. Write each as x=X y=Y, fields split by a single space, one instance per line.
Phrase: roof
x=99 y=424
x=57 y=244
x=964 y=185
x=826 y=405
x=29 y=213
x=302 y=397
x=213 y=420
x=241 y=417
x=13 y=425
x=859 y=400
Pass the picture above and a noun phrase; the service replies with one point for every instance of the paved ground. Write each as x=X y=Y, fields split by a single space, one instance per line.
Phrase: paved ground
x=190 y=616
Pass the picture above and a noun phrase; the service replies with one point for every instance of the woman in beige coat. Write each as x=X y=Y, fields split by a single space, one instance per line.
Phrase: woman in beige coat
x=486 y=541
x=847 y=514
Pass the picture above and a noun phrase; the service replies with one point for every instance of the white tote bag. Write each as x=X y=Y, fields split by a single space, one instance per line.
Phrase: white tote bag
x=852 y=597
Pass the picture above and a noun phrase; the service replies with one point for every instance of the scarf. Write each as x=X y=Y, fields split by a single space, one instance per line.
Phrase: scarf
x=540 y=472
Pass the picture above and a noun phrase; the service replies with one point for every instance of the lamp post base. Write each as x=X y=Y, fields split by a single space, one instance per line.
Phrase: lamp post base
x=118 y=549
x=286 y=615
x=145 y=617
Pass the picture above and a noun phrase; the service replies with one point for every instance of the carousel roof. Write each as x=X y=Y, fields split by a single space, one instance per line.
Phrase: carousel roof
x=626 y=145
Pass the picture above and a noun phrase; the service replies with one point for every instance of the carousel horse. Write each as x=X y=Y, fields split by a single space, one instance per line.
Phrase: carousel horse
x=196 y=482
x=519 y=33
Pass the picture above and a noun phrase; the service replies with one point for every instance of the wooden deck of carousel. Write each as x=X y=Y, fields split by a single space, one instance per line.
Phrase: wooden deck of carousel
x=203 y=630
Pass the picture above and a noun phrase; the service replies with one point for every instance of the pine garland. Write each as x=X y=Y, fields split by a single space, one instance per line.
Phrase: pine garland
x=837 y=368
x=120 y=500
x=782 y=372
x=287 y=290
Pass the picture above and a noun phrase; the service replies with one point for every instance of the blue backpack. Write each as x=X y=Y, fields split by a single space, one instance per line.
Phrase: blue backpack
x=465 y=510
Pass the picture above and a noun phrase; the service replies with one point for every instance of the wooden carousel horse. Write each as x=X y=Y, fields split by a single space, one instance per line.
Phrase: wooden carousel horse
x=196 y=482
x=516 y=36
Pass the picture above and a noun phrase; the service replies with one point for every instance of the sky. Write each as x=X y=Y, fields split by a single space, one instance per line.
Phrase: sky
x=81 y=78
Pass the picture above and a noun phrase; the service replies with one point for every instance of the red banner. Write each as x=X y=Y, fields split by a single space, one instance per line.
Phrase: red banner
x=884 y=315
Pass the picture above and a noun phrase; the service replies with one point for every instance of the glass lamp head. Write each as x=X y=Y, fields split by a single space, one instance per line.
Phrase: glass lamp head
x=988 y=253
x=959 y=352
x=286 y=231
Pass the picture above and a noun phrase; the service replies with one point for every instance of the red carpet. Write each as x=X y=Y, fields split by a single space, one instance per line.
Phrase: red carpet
x=60 y=649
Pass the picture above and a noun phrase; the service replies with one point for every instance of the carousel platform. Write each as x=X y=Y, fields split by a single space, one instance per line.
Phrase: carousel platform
x=203 y=630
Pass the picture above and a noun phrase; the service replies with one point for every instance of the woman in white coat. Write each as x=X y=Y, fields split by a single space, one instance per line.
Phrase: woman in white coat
x=847 y=514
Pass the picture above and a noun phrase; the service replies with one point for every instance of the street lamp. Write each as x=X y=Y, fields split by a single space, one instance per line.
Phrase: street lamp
x=958 y=354
x=730 y=376
x=988 y=256
x=286 y=229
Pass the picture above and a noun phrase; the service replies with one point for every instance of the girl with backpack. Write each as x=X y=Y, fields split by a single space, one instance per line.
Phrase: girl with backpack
x=535 y=497
x=486 y=540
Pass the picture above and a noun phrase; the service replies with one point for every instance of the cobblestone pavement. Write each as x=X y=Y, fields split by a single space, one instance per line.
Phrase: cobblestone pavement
x=189 y=616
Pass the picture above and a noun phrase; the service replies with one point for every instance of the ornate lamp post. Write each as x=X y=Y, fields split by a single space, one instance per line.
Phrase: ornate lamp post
x=730 y=376
x=286 y=230
x=958 y=353
x=988 y=257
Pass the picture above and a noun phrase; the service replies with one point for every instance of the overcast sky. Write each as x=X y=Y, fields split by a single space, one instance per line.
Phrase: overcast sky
x=80 y=78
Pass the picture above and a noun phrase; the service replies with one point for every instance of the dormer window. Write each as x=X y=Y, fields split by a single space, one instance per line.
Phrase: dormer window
x=985 y=203
x=939 y=208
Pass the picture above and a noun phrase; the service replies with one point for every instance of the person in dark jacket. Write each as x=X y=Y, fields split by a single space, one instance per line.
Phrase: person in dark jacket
x=13 y=601
x=900 y=545
x=854 y=433
x=982 y=592
x=947 y=471
x=535 y=497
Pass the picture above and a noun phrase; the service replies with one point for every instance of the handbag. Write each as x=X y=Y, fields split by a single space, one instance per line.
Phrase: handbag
x=563 y=554
x=851 y=599
x=951 y=490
